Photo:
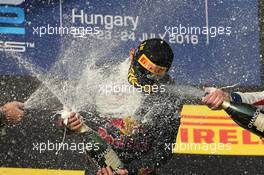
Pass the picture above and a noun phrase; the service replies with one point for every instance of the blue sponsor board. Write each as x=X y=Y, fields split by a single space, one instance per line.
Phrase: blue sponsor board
x=214 y=42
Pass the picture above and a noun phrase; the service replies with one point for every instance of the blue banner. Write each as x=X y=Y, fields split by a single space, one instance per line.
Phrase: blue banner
x=214 y=42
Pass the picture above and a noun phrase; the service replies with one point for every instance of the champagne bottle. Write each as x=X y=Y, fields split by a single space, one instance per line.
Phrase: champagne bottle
x=103 y=155
x=247 y=116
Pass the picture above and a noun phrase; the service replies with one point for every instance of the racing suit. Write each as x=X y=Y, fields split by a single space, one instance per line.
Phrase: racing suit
x=253 y=98
x=141 y=145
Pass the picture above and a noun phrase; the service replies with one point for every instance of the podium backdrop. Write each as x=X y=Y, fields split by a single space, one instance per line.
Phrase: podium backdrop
x=214 y=42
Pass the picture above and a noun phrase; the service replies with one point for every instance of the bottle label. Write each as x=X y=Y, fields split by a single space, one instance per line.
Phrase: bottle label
x=111 y=159
x=259 y=122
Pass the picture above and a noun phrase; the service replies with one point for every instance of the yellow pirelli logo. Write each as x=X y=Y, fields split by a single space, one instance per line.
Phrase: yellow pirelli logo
x=28 y=171
x=150 y=66
x=204 y=131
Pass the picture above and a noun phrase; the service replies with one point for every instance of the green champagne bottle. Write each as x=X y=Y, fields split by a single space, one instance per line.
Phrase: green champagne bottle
x=247 y=116
x=103 y=155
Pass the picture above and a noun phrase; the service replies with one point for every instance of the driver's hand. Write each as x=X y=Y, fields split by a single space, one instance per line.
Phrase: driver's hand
x=74 y=122
x=215 y=97
x=108 y=171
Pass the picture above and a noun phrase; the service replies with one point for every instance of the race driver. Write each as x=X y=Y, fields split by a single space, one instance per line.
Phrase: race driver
x=141 y=144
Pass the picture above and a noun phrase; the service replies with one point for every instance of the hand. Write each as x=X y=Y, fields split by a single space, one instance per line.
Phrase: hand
x=215 y=98
x=74 y=122
x=13 y=111
x=108 y=171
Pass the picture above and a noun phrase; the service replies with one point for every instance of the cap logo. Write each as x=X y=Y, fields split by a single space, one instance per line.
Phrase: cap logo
x=150 y=66
x=141 y=46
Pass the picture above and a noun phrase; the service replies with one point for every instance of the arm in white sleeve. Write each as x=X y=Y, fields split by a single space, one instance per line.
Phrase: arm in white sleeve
x=253 y=98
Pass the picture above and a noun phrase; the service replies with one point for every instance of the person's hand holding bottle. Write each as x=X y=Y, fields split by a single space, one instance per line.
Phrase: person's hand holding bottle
x=13 y=112
x=108 y=171
x=215 y=97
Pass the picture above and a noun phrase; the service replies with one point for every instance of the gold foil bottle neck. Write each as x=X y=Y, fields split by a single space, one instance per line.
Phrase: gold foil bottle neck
x=84 y=128
x=226 y=104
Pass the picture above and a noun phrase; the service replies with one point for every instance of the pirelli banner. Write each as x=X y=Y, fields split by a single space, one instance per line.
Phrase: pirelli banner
x=204 y=131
